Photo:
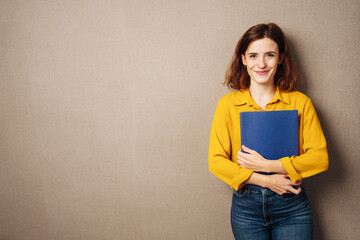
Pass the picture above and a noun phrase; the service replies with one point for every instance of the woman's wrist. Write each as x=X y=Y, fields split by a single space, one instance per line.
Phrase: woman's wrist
x=258 y=179
x=274 y=166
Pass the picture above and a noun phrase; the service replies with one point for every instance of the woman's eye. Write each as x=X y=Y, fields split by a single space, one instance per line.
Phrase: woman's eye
x=271 y=55
x=253 y=56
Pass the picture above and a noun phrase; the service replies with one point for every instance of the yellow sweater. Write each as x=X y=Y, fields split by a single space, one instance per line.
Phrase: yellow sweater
x=225 y=139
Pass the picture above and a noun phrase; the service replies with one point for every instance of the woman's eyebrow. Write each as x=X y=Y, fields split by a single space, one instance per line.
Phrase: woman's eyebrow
x=254 y=53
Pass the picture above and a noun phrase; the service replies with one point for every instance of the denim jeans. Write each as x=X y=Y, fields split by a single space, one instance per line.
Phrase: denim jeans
x=261 y=214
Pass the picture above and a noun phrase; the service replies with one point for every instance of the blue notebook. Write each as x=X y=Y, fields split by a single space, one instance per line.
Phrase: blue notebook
x=273 y=134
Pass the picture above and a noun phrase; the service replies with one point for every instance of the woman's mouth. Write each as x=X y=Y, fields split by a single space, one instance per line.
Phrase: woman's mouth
x=261 y=73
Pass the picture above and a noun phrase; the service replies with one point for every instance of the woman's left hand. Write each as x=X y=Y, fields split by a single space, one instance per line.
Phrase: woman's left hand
x=251 y=159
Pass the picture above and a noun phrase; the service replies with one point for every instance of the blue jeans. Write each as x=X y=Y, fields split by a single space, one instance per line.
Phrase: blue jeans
x=261 y=214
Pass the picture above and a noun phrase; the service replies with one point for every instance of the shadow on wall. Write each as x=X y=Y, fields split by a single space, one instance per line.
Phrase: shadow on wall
x=318 y=186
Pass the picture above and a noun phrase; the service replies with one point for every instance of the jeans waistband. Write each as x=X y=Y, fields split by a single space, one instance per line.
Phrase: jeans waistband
x=257 y=189
x=262 y=190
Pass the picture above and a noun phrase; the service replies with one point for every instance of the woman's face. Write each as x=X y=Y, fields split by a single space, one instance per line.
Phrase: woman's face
x=261 y=60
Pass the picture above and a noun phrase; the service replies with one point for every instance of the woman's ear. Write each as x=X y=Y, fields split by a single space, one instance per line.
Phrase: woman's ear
x=281 y=58
x=243 y=59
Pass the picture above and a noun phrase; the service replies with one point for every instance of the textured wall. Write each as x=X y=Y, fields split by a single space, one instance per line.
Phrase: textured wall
x=106 y=107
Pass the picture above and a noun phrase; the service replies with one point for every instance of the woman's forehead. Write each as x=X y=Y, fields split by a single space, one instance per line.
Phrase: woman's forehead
x=262 y=45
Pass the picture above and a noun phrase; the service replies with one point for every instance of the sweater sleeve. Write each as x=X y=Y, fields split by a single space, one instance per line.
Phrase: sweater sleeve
x=220 y=163
x=314 y=158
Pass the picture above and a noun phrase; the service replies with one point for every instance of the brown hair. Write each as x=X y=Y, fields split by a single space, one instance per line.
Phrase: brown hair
x=286 y=75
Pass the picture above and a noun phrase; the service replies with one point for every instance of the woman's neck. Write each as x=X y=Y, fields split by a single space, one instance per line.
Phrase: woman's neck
x=262 y=95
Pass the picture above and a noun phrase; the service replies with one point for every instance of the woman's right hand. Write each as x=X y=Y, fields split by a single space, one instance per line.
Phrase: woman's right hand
x=281 y=184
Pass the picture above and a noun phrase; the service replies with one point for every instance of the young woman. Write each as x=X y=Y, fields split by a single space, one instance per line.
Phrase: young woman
x=273 y=206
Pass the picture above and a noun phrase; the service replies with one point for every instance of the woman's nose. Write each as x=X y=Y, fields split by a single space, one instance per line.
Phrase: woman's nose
x=262 y=63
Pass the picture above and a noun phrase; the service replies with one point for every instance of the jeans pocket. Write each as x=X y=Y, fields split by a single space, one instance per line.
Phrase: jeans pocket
x=290 y=196
x=241 y=193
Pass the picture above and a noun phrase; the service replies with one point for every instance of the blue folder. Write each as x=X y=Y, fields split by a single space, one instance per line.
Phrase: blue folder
x=273 y=134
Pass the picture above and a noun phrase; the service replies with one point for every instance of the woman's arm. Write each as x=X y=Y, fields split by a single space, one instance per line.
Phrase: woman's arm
x=220 y=163
x=252 y=160
x=314 y=158
x=278 y=183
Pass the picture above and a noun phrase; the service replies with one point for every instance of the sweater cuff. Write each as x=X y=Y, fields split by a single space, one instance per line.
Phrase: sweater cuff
x=240 y=178
x=292 y=173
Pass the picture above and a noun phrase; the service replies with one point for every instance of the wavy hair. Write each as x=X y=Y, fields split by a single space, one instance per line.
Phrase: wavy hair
x=236 y=76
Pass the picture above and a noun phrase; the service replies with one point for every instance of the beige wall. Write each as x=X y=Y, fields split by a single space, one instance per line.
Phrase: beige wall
x=106 y=109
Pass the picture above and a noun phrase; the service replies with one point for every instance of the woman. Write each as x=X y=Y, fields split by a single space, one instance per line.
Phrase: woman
x=266 y=206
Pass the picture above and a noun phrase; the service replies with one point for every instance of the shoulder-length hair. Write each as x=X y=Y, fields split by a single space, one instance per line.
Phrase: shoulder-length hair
x=286 y=75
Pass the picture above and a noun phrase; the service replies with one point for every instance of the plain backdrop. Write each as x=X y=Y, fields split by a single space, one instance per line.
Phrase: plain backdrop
x=106 y=108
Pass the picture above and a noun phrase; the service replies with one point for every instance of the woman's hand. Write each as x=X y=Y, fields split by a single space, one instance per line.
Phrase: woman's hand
x=251 y=160
x=281 y=184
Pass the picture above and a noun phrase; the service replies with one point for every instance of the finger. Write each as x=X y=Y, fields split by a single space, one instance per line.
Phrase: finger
x=277 y=191
x=241 y=163
x=239 y=157
x=286 y=176
x=280 y=191
x=246 y=149
x=295 y=191
x=298 y=183
x=243 y=155
x=240 y=160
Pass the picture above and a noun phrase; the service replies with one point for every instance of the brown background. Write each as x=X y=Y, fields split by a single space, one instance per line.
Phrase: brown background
x=106 y=109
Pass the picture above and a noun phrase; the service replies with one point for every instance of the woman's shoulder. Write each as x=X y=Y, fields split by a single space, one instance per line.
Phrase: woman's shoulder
x=235 y=97
x=298 y=96
x=300 y=100
x=229 y=96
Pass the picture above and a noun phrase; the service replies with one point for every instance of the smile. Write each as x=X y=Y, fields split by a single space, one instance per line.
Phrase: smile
x=261 y=73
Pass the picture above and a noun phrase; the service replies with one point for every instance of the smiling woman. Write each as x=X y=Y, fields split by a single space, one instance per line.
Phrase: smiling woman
x=286 y=73
x=261 y=60
x=266 y=206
